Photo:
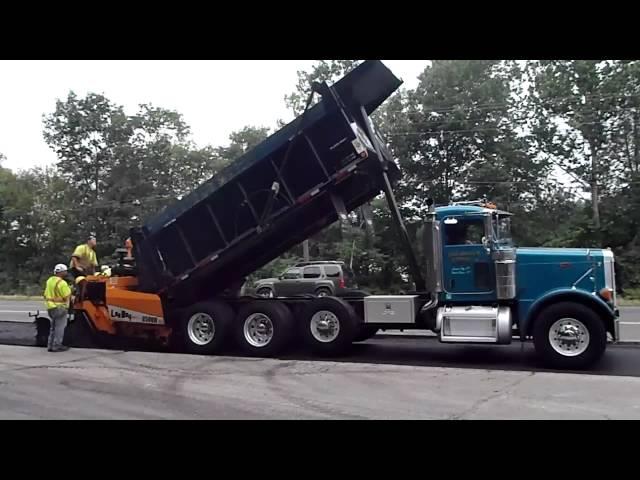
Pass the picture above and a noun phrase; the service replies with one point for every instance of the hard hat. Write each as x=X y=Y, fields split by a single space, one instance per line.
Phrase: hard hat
x=61 y=267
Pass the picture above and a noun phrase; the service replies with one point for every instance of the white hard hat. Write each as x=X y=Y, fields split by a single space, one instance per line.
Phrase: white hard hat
x=61 y=267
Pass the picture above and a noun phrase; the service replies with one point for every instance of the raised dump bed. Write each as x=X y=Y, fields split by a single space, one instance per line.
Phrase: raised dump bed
x=290 y=186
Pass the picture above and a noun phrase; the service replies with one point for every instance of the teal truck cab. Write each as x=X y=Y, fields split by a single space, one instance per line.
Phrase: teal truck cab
x=483 y=289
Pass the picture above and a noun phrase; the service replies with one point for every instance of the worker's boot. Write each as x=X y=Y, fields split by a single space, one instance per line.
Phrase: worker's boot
x=61 y=348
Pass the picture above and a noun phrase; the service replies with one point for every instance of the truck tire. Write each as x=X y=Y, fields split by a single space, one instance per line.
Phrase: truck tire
x=569 y=336
x=263 y=328
x=205 y=326
x=323 y=292
x=328 y=326
x=365 y=332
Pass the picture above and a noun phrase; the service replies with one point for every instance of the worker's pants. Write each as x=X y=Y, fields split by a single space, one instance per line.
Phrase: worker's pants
x=58 y=318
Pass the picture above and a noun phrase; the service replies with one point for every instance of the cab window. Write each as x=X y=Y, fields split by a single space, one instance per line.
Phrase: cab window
x=465 y=232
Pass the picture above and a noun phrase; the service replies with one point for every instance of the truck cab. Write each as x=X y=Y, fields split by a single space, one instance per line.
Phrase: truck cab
x=488 y=290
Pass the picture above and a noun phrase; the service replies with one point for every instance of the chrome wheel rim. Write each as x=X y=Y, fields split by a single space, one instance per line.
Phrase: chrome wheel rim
x=325 y=326
x=258 y=330
x=322 y=293
x=201 y=329
x=569 y=337
x=265 y=293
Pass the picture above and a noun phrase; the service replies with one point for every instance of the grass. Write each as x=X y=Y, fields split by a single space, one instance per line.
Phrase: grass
x=623 y=302
x=631 y=297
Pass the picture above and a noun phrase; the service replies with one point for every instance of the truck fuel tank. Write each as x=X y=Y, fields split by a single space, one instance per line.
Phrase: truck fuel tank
x=474 y=324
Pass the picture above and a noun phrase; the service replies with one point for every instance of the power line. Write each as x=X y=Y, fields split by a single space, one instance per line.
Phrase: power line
x=482 y=129
x=501 y=105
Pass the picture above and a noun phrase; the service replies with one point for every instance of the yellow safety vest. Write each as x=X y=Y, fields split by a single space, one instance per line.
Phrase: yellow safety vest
x=87 y=256
x=57 y=293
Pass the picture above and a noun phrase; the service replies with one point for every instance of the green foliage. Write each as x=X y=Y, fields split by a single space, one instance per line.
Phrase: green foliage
x=323 y=71
x=113 y=171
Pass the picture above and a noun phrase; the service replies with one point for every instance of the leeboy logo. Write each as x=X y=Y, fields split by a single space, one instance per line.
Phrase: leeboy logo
x=123 y=314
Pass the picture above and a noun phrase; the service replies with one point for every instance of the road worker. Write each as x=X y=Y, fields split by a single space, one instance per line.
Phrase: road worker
x=57 y=294
x=84 y=260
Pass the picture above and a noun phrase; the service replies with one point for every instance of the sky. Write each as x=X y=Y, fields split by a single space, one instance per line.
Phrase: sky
x=215 y=97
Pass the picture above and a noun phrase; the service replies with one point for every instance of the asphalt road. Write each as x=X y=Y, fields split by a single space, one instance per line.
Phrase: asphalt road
x=392 y=377
x=619 y=360
x=17 y=311
x=101 y=384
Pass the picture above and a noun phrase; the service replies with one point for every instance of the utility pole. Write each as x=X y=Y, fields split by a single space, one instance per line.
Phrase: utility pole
x=595 y=194
x=305 y=250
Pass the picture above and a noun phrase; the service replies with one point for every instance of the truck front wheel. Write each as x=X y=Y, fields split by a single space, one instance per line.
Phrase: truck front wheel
x=328 y=325
x=205 y=327
x=263 y=328
x=569 y=336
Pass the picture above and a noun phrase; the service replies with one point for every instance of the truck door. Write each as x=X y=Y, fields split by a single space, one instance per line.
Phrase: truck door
x=466 y=262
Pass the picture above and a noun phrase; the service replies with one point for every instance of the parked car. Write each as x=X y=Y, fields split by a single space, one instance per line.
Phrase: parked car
x=316 y=278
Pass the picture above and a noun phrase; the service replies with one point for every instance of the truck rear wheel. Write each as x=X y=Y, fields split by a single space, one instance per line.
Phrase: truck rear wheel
x=329 y=325
x=569 y=336
x=205 y=326
x=263 y=328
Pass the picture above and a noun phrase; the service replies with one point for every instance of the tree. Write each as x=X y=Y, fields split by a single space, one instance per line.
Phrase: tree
x=241 y=141
x=574 y=104
x=460 y=140
x=33 y=230
x=119 y=169
x=323 y=71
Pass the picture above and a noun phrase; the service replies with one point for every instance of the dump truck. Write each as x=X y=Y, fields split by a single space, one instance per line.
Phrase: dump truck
x=471 y=285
